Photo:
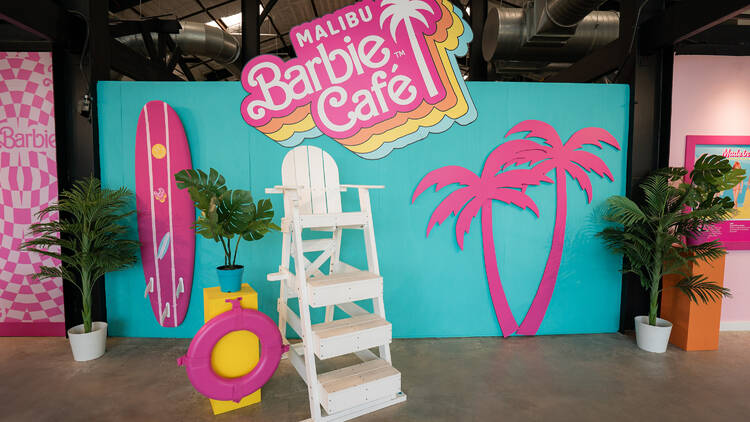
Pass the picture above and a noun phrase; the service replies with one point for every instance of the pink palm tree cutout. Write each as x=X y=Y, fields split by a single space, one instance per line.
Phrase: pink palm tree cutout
x=565 y=159
x=477 y=194
x=509 y=186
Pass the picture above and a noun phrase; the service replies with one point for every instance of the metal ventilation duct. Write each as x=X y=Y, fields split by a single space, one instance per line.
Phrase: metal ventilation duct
x=506 y=31
x=199 y=40
x=525 y=67
x=564 y=13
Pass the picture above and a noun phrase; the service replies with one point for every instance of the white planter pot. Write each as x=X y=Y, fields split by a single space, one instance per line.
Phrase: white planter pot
x=652 y=338
x=88 y=346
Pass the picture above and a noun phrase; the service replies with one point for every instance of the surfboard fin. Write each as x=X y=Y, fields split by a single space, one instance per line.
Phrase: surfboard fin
x=180 y=288
x=149 y=287
x=164 y=314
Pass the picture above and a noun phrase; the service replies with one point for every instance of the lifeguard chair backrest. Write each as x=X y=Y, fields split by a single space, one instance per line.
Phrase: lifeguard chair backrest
x=316 y=173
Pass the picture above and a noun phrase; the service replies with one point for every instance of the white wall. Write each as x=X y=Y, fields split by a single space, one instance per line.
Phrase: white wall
x=711 y=96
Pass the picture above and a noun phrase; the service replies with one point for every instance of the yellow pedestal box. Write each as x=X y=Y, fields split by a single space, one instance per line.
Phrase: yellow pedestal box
x=236 y=353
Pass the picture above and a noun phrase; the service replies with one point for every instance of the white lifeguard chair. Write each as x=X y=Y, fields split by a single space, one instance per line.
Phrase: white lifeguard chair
x=312 y=200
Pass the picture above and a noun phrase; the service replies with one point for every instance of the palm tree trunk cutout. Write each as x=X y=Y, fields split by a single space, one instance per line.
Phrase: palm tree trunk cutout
x=538 y=308
x=405 y=11
x=475 y=197
x=504 y=315
x=426 y=76
x=565 y=158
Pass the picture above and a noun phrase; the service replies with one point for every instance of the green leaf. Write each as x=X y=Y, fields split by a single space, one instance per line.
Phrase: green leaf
x=261 y=222
x=207 y=225
x=235 y=211
x=201 y=186
x=623 y=211
x=697 y=287
x=713 y=174
x=707 y=251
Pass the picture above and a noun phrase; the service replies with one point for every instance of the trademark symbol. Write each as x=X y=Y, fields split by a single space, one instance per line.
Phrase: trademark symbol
x=399 y=53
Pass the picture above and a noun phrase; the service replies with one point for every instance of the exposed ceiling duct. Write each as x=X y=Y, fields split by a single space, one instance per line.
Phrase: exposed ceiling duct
x=511 y=68
x=546 y=31
x=200 y=40
x=562 y=13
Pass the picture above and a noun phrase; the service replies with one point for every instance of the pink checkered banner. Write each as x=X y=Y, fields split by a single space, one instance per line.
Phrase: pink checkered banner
x=28 y=183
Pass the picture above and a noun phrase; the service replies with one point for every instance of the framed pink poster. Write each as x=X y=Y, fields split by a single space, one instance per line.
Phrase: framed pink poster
x=735 y=233
x=28 y=183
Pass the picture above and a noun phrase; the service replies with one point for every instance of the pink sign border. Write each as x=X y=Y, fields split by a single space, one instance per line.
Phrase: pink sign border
x=32 y=329
x=731 y=241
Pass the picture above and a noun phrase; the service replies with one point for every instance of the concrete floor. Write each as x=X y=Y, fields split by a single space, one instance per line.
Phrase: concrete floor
x=561 y=378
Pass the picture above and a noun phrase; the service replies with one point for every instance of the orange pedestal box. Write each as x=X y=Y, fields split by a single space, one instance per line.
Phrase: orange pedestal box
x=695 y=325
x=236 y=353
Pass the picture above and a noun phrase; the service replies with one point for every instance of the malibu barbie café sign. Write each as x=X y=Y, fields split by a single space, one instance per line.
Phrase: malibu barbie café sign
x=374 y=76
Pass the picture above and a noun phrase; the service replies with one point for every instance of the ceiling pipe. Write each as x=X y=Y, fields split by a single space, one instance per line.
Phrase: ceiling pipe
x=511 y=67
x=505 y=36
x=564 y=13
x=200 y=40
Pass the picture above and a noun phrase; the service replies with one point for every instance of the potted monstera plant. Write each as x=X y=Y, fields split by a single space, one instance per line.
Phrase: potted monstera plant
x=657 y=232
x=226 y=216
x=90 y=240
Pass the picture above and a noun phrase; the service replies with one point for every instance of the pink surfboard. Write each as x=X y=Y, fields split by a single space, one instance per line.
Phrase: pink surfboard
x=165 y=213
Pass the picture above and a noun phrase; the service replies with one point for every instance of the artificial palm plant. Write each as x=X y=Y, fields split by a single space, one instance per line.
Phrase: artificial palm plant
x=654 y=232
x=89 y=237
x=225 y=213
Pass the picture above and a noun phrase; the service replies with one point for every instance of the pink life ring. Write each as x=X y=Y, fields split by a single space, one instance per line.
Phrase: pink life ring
x=197 y=361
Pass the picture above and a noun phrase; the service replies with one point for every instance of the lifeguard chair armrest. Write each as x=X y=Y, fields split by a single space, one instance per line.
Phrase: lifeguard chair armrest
x=345 y=187
x=281 y=189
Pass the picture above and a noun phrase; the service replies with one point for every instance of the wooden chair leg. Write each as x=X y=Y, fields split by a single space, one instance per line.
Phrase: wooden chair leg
x=379 y=309
x=334 y=263
x=305 y=321
x=373 y=265
x=282 y=302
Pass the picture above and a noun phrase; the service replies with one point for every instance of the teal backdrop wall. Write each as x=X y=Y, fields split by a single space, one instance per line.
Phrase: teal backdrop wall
x=432 y=288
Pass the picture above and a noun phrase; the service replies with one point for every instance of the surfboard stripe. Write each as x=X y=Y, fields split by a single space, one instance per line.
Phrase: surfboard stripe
x=171 y=226
x=153 y=209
